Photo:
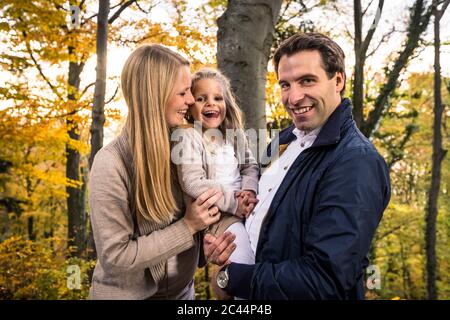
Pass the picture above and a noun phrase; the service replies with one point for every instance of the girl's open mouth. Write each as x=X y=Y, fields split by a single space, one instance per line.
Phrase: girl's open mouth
x=211 y=114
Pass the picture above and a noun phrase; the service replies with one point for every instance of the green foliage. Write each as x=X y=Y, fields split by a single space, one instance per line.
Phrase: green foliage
x=399 y=245
x=202 y=283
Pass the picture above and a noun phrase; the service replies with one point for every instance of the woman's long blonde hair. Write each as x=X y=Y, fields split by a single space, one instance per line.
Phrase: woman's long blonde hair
x=148 y=79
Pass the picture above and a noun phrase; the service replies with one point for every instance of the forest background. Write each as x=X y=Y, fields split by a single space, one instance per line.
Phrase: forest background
x=60 y=102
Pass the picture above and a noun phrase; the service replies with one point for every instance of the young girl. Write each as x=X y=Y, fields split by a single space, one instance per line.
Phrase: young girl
x=216 y=156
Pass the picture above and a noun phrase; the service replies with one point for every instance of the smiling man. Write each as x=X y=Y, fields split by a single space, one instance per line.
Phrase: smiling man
x=309 y=93
x=321 y=200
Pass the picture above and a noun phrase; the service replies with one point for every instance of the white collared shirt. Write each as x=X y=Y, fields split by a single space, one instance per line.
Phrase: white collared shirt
x=272 y=178
x=227 y=167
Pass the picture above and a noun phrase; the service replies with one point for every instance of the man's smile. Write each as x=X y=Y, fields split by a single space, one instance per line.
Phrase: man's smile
x=301 y=110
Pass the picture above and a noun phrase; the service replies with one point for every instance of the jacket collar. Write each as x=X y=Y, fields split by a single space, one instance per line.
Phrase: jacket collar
x=337 y=122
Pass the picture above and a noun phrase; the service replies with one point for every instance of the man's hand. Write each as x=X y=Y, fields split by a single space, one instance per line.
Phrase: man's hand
x=218 y=250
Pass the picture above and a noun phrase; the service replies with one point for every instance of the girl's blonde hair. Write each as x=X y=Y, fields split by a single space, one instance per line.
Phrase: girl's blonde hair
x=233 y=116
x=148 y=79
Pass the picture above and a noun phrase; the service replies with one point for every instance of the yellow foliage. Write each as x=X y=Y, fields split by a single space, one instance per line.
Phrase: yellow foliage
x=39 y=270
x=276 y=114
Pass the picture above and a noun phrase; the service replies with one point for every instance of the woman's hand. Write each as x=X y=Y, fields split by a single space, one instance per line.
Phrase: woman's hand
x=201 y=213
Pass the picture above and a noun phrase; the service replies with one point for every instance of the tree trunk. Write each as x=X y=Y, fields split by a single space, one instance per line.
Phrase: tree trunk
x=98 y=115
x=437 y=157
x=30 y=220
x=30 y=228
x=207 y=280
x=244 y=38
x=358 y=93
x=358 y=80
x=4 y=166
x=75 y=199
x=361 y=46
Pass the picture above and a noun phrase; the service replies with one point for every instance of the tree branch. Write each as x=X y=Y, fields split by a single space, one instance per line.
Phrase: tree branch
x=288 y=3
x=119 y=11
x=64 y=115
x=298 y=13
x=81 y=4
x=442 y=10
x=39 y=68
x=417 y=25
x=117 y=5
x=86 y=88
x=373 y=27
x=397 y=156
x=113 y=96
x=395 y=229
x=367 y=8
x=120 y=4
x=139 y=40
x=348 y=33
x=384 y=39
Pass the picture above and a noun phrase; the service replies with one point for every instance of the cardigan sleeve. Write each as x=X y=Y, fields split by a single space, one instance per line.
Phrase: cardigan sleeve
x=250 y=172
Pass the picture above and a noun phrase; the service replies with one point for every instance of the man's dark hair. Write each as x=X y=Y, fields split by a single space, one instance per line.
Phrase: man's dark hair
x=333 y=57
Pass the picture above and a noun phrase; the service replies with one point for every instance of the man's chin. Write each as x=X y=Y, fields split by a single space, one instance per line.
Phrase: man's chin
x=303 y=127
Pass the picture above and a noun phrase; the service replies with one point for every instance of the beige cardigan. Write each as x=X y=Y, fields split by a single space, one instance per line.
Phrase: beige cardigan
x=130 y=268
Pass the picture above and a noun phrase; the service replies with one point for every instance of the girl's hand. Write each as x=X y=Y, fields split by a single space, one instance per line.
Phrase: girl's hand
x=201 y=213
x=246 y=203
x=243 y=193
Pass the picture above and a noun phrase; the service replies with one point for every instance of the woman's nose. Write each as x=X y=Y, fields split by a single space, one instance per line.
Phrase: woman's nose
x=190 y=98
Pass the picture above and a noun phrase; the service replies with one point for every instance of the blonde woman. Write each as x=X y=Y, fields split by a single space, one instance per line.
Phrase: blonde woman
x=147 y=241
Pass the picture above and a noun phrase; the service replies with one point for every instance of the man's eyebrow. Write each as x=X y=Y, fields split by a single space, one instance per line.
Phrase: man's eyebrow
x=300 y=77
x=307 y=75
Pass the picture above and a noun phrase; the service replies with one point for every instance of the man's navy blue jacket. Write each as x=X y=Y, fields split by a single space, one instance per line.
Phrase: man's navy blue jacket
x=317 y=233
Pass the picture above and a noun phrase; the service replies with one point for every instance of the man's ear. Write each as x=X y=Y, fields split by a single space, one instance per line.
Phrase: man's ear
x=340 y=81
